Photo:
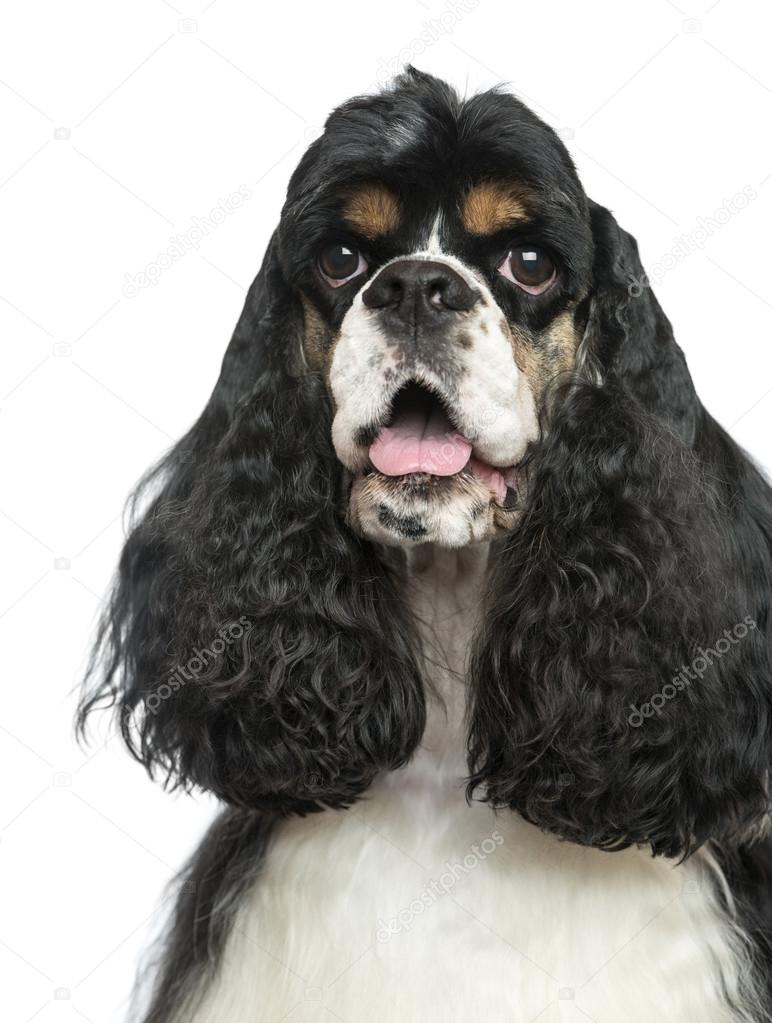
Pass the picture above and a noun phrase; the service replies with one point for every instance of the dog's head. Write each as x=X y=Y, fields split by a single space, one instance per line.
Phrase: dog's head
x=441 y=252
x=448 y=342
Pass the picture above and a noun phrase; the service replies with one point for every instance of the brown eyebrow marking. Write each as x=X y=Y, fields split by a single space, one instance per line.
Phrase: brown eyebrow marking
x=491 y=206
x=372 y=210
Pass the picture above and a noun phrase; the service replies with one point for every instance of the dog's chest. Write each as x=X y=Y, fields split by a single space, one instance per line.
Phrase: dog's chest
x=414 y=905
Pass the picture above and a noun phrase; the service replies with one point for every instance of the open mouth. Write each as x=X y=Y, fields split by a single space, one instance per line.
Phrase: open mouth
x=420 y=437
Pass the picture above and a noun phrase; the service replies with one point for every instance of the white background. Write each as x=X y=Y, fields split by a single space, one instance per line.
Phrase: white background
x=122 y=123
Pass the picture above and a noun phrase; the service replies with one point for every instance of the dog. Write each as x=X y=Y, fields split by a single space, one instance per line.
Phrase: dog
x=458 y=598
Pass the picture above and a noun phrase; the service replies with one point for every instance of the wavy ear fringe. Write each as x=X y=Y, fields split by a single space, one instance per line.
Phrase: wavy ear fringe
x=253 y=646
x=609 y=706
x=622 y=684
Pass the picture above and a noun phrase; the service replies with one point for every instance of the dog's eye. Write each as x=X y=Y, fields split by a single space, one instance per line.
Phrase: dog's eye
x=339 y=262
x=529 y=267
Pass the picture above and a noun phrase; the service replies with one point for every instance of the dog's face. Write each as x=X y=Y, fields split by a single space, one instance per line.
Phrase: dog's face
x=441 y=263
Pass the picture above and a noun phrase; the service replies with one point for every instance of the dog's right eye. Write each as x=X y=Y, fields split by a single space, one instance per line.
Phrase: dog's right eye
x=529 y=267
x=339 y=262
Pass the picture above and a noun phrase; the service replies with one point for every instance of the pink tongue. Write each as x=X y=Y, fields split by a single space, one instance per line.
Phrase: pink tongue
x=492 y=477
x=416 y=442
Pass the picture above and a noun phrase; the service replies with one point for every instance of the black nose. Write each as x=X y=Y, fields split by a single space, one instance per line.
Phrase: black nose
x=419 y=291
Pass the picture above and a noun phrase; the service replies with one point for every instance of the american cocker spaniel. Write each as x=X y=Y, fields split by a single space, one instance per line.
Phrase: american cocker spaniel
x=458 y=598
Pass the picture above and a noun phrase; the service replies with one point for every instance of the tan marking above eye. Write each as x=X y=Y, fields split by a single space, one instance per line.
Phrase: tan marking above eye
x=491 y=206
x=372 y=210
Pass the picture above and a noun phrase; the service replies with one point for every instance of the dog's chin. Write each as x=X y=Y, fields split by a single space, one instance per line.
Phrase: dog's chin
x=451 y=511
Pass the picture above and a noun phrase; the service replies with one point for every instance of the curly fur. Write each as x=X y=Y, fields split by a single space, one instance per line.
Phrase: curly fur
x=644 y=532
x=624 y=565
x=323 y=691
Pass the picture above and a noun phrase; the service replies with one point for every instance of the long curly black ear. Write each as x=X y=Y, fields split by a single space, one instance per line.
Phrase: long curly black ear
x=628 y=338
x=253 y=646
x=622 y=685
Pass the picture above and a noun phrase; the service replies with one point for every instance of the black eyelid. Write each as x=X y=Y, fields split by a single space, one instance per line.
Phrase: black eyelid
x=524 y=243
x=521 y=243
x=342 y=238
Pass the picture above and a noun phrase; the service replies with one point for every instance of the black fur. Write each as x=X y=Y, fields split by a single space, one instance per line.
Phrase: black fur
x=209 y=892
x=645 y=533
x=322 y=692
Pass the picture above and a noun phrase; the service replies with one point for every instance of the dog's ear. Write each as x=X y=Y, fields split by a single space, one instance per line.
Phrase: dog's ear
x=622 y=686
x=628 y=337
x=253 y=646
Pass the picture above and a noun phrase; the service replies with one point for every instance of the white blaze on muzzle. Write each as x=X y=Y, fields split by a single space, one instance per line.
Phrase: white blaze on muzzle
x=484 y=416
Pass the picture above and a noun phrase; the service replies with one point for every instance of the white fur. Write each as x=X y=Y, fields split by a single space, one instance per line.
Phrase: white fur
x=490 y=397
x=532 y=929
x=449 y=522
x=434 y=241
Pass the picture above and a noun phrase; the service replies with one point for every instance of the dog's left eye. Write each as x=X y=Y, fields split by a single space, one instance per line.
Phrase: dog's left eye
x=339 y=262
x=529 y=267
